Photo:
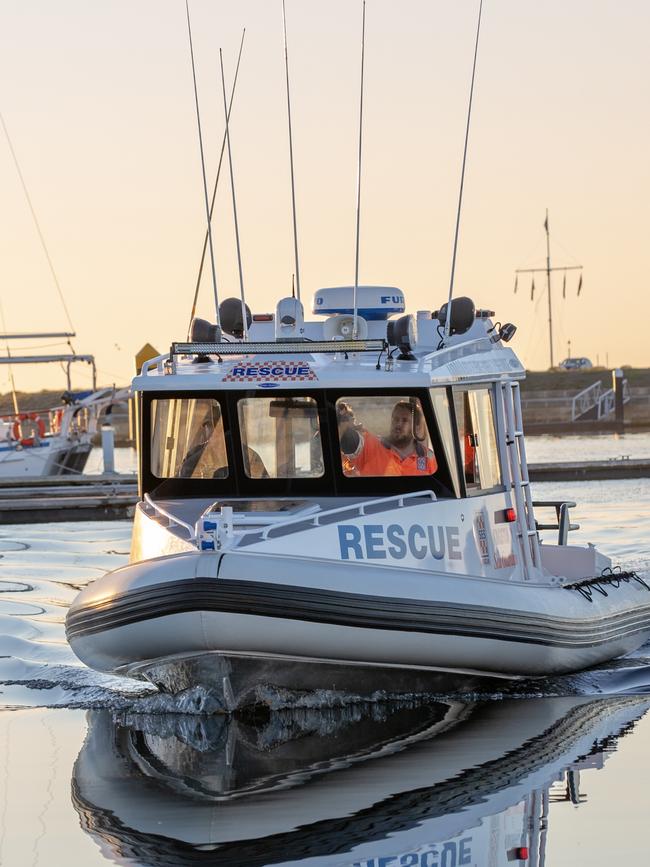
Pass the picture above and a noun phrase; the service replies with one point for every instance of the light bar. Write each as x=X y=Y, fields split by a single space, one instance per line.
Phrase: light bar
x=273 y=348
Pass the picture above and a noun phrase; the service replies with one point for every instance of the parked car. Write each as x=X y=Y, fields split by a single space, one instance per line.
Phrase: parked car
x=575 y=363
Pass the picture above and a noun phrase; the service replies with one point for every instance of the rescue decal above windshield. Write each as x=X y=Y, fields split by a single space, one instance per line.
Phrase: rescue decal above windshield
x=270 y=371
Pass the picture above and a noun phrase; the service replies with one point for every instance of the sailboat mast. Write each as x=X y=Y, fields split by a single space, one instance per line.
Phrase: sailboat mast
x=548 y=285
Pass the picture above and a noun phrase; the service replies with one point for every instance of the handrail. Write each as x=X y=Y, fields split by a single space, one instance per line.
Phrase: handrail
x=563 y=520
x=586 y=399
x=315 y=520
x=174 y=520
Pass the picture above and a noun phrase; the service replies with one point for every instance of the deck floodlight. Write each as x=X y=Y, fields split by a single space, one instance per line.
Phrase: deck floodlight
x=402 y=333
x=230 y=316
x=463 y=314
x=201 y=330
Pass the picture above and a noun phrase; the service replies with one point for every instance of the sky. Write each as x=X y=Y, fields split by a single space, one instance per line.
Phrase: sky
x=97 y=98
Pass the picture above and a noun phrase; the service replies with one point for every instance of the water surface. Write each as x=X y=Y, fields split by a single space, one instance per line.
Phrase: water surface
x=101 y=770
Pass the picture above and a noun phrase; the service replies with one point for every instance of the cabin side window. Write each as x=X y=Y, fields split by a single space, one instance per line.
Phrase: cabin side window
x=187 y=439
x=381 y=435
x=478 y=442
x=280 y=438
x=442 y=410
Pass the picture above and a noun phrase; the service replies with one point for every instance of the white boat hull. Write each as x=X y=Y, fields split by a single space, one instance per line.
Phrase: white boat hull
x=244 y=625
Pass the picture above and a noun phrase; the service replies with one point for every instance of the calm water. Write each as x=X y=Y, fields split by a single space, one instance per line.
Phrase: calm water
x=100 y=770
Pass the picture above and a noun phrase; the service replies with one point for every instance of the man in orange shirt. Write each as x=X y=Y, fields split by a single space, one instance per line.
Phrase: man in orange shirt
x=402 y=453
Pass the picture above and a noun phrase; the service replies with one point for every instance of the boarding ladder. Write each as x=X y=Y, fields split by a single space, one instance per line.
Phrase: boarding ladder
x=517 y=469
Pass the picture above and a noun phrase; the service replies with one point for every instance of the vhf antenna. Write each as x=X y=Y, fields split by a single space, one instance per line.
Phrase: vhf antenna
x=205 y=183
x=355 y=329
x=548 y=271
x=462 y=181
x=293 y=185
x=214 y=191
x=234 y=203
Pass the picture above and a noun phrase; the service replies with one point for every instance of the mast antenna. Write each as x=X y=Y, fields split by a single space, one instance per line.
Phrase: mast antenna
x=462 y=179
x=205 y=183
x=293 y=184
x=234 y=204
x=214 y=191
x=355 y=329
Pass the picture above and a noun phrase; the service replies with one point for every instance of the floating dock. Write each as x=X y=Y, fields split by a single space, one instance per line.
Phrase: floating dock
x=67 y=498
x=618 y=468
x=113 y=497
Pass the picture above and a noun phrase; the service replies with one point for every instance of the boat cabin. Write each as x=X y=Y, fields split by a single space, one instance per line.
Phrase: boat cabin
x=290 y=408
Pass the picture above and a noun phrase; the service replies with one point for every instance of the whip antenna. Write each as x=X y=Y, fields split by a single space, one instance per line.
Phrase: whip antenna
x=214 y=191
x=234 y=203
x=205 y=183
x=355 y=329
x=293 y=185
x=462 y=178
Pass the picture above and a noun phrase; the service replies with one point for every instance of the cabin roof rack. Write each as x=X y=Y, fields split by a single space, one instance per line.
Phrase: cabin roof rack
x=278 y=348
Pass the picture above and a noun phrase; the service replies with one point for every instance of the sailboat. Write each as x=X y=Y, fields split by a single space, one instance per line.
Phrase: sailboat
x=54 y=441
x=57 y=440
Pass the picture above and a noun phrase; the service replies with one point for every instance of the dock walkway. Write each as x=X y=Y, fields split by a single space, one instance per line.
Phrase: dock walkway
x=67 y=498
x=111 y=497
x=617 y=468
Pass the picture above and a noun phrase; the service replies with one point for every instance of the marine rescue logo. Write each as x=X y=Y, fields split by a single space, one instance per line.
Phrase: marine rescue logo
x=271 y=371
x=480 y=531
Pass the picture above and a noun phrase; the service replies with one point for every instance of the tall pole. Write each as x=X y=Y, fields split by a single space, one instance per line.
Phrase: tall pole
x=548 y=284
x=548 y=271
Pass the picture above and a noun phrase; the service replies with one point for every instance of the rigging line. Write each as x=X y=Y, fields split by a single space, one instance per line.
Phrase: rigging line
x=214 y=191
x=293 y=185
x=234 y=203
x=462 y=177
x=36 y=223
x=205 y=182
x=355 y=330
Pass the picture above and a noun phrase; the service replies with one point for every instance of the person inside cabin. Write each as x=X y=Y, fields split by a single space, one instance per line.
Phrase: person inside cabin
x=404 y=452
x=207 y=459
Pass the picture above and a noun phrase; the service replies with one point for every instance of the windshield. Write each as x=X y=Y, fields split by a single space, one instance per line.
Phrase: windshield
x=187 y=439
x=384 y=436
x=280 y=437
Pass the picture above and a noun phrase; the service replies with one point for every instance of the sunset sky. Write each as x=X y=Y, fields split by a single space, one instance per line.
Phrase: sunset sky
x=98 y=100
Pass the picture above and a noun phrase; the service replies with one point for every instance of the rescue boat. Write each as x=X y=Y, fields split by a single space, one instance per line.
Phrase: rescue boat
x=344 y=504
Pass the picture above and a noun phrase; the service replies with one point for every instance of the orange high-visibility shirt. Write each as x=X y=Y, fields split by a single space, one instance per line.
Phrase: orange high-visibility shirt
x=377 y=458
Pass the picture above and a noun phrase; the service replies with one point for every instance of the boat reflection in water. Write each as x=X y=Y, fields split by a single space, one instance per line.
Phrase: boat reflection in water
x=438 y=785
